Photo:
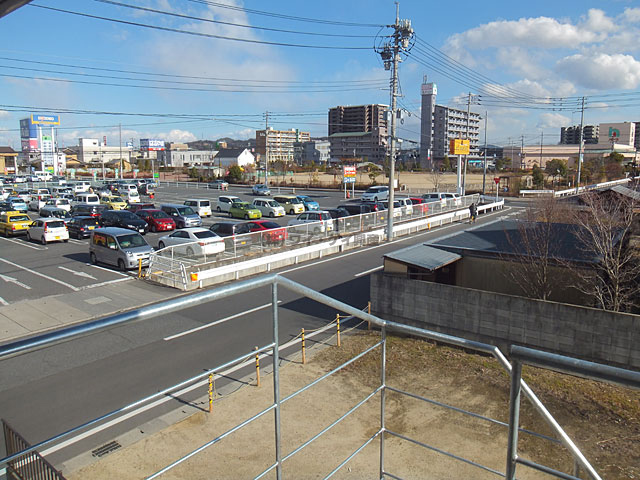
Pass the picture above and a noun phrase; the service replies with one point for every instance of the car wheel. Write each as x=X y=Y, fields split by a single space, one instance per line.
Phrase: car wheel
x=291 y=212
x=190 y=252
x=154 y=229
x=66 y=240
x=121 y=265
x=161 y=245
x=230 y=215
x=246 y=216
x=271 y=214
x=375 y=199
x=219 y=209
x=93 y=259
x=28 y=236
x=43 y=240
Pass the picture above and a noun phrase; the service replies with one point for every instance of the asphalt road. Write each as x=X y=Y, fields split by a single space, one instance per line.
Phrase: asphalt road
x=57 y=388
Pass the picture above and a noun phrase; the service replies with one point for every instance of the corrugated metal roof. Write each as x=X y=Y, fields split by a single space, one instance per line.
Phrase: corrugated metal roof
x=424 y=256
x=627 y=192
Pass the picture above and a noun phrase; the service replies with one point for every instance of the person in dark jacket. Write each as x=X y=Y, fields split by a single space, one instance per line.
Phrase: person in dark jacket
x=473 y=212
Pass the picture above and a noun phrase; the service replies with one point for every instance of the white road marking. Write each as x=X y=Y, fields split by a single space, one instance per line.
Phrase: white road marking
x=108 y=270
x=102 y=284
x=9 y=279
x=369 y=271
x=75 y=289
x=25 y=244
x=3 y=301
x=79 y=274
x=222 y=320
x=79 y=242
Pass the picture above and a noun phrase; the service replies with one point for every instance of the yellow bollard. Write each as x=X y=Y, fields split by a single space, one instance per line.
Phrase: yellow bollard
x=304 y=355
x=257 y=368
x=338 y=325
x=139 y=268
x=210 y=392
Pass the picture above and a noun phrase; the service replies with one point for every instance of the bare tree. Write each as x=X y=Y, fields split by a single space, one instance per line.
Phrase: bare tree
x=535 y=247
x=436 y=179
x=606 y=223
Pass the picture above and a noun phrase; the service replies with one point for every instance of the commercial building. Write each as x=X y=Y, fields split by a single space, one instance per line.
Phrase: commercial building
x=359 y=132
x=279 y=145
x=439 y=124
x=571 y=135
x=39 y=146
x=185 y=158
x=623 y=134
x=95 y=154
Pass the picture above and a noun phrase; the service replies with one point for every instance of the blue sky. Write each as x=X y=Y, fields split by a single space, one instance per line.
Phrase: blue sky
x=536 y=50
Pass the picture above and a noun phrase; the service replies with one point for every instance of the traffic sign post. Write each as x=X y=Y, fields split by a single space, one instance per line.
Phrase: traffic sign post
x=497 y=180
x=349 y=176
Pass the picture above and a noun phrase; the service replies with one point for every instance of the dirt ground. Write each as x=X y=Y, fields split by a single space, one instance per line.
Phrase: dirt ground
x=603 y=420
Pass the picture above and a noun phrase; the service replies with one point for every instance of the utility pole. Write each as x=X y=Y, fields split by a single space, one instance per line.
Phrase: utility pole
x=120 y=129
x=541 y=140
x=390 y=54
x=466 y=157
x=522 y=152
x=266 y=147
x=484 y=163
x=580 y=146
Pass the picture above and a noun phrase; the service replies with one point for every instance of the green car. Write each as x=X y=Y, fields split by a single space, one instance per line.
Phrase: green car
x=244 y=210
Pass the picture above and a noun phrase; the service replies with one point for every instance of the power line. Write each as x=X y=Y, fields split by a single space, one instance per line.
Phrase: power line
x=197 y=34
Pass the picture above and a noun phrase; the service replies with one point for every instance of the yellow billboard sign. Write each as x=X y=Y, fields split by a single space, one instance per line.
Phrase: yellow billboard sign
x=458 y=147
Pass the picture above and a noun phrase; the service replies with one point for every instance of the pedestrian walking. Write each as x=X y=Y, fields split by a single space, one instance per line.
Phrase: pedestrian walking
x=473 y=212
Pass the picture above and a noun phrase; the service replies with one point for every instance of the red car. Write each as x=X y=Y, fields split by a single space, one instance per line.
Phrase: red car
x=273 y=234
x=158 y=220
x=419 y=205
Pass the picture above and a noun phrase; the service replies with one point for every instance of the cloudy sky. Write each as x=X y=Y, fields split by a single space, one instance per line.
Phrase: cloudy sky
x=182 y=70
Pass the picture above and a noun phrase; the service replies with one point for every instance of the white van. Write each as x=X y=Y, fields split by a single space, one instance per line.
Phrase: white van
x=443 y=197
x=225 y=201
x=90 y=198
x=81 y=187
x=201 y=206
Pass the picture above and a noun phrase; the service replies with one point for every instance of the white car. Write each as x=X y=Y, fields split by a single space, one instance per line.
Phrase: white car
x=25 y=195
x=377 y=194
x=225 y=201
x=269 y=207
x=193 y=241
x=48 y=230
x=320 y=222
x=261 y=189
x=132 y=197
x=38 y=201
x=62 y=203
x=81 y=187
x=201 y=206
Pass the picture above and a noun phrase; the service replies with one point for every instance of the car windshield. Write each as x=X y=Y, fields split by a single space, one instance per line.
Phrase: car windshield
x=131 y=240
x=60 y=214
x=204 y=234
x=273 y=203
x=19 y=218
x=186 y=211
x=117 y=199
x=158 y=214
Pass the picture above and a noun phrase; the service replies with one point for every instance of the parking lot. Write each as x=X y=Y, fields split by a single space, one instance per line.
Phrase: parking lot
x=29 y=270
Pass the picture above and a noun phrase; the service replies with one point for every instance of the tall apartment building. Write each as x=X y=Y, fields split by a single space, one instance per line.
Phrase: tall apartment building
x=279 y=145
x=571 y=135
x=359 y=132
x=440 y=124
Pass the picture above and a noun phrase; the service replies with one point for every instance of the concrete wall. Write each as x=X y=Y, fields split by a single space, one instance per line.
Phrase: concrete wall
x=502 y=320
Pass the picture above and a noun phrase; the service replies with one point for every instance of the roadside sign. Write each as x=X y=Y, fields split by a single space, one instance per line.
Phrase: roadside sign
x=156 y=175
x=458 y=146
x=349 y=170
x=349 y=180
x=496 y=179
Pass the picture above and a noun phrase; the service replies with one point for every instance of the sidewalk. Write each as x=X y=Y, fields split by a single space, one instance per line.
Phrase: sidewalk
x=29 y=317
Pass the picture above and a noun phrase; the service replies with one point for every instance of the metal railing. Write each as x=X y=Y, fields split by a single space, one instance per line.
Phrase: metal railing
x=273 y=349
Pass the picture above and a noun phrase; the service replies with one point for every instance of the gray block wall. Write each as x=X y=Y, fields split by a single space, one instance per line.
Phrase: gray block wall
x=503 y=320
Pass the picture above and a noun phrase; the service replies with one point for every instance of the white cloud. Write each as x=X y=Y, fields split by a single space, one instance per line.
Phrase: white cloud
x=602 y=71
x=597 y=21
x=631 y=15
x=178 y=136
x=552 y=120
x=4 y=114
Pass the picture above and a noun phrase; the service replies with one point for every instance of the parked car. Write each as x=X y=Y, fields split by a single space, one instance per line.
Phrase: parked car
x=17 y=204
x=397 y=208
x=141 y=206
x=268 y=207
x=376 y=193
x=114 y=202
x=158 y=220
x=219 y=184
x=94 y=210
x=38 y=201
x=119 y=247
x=183 y=215
x=81 y=187
x=123 y=219
x=62 y=203
x=308 y=202
x=290 y=203
x=271 y=232
x=406 y=204
x=419 y=205
x=358 y=208
x=50 y=211
x=132 y=196
x=201 y=206
x=235 y=234
x=146 y=189
x=342 y=220
x=81 y=227
x=321 y=221
x=193 y=241
x=48 y=230
x=225 y=201
x=443 y=197
x=25 y=195
x=14 y=223
x=5 y=207
x=91 y=198
x=261 y=189
x=244 y=210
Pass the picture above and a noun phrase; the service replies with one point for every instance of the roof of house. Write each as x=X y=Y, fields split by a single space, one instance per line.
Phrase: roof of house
x=7 y=150
x=627 y=192
x=230 y=152
x=423 y=256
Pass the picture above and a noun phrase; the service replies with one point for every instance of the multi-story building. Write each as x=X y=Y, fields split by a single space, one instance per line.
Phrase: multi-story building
x=440 y=124
x=571 y=135
x=279 y=145
x=359 y=132
x=92 y=152
x=317 y=151
x=186 y=158
x=637 y=143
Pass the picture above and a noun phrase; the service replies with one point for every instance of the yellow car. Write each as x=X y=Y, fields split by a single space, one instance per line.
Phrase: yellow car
x=14 y=223
x=114 y=202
